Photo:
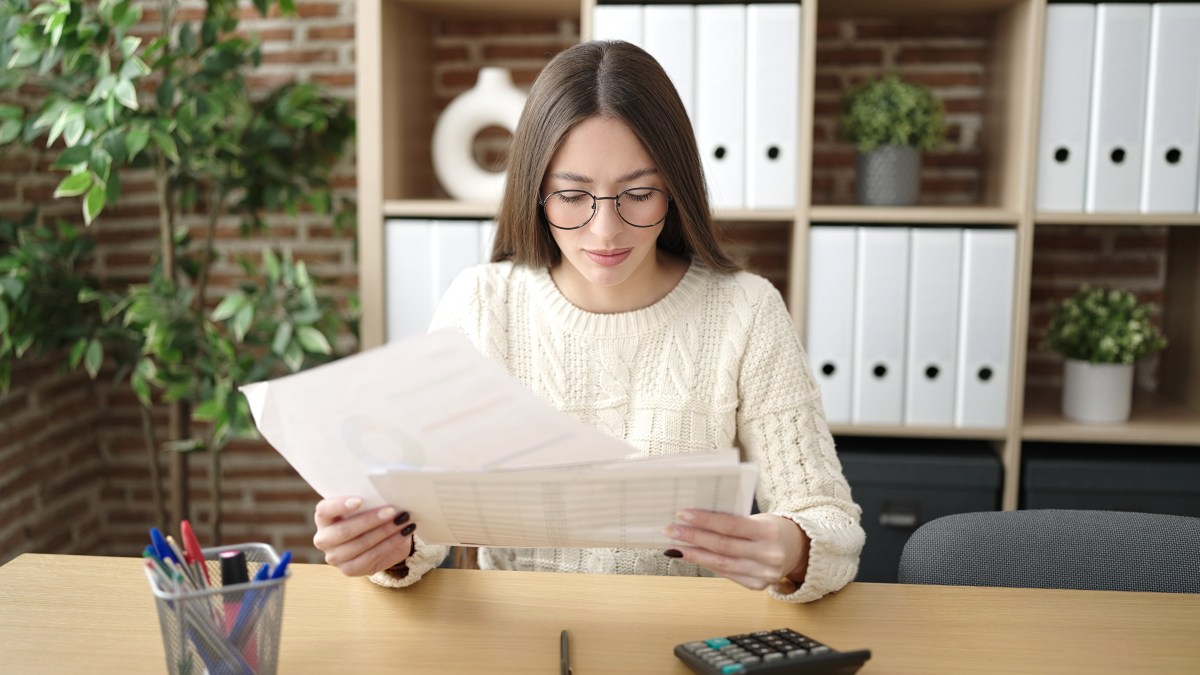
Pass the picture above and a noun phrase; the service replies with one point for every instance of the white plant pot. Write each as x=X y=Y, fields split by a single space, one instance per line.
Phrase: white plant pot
x=1097 y=393
x=493 y=101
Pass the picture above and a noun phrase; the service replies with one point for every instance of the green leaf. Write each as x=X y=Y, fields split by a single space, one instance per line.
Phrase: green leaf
x=263 y=6
x=93 y=204
x=271 y=262
x=242 y=321
x=165 y=143
x=9 y=129
x=228 y=306
x=135 y=142
x=9 y=111
x=94 y=357
x=294 y=357
x=74 y=185
x=77 y=352
x=3 y=317
x=208 y=411
x=313 y=340
x=125 y=94
x=283 y=336
x=71 y=156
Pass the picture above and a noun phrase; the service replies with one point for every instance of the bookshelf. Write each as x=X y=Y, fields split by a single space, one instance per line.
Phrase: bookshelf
x=395 y=179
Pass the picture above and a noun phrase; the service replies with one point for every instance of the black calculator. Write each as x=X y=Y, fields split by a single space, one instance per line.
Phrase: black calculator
x=770 y=651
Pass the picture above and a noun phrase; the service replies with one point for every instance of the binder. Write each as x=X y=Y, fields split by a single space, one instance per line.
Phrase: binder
x=409 y=274
x=773 y=35
x=456 y=246
x=1118 y=110
x=880 y=311
x=669 y=36
x=487 y=236
x=721 y=101
x=617 y=22
x=985 y=328
x=830 y=315
x=935 y=270
x=1170 y=165
x=1066 y=96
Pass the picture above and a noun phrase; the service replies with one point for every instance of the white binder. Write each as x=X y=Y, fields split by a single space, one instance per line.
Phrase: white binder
x=618 y=22
x=935 y=271
x=1118 y=110
x=409 y=273
x=422 y=258
x=829 y=323
x=880 y=311
x=721 y=101
x=1170 y=165
x=1066 y=95
x=772 y=107
x=669 y=36
x=985 y=328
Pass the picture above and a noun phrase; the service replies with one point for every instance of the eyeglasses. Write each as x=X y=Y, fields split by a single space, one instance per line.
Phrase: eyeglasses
x=637 y=206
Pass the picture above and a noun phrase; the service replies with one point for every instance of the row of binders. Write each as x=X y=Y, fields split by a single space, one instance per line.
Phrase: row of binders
x=911 y=326
x=1120 y=117
x=422 y=257
x=737 y=69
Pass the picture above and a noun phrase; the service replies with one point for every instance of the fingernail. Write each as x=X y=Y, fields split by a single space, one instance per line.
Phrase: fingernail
x=401 y=519
x=673 y=553
x=672 y=532
x=685 y=516
x=408 y=529
x=387 y=513
x=353 y=503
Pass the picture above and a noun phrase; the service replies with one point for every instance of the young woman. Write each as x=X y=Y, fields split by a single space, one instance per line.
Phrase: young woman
x=609 y=296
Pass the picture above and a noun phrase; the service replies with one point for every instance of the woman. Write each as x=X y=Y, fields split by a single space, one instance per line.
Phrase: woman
x=609 y=296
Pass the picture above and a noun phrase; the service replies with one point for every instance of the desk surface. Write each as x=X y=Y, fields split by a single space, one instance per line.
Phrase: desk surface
x=73 y=614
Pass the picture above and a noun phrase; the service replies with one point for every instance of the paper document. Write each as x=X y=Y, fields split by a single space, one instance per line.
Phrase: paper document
x=432 y=426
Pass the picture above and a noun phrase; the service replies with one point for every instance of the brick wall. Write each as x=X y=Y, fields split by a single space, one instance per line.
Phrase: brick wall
x=73 y=471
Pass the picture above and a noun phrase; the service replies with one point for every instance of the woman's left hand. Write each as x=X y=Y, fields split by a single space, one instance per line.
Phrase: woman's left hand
x=755 y=551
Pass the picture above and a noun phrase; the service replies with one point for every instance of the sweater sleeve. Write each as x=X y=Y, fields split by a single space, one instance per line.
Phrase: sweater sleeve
x=424 y=558
x=781 y=425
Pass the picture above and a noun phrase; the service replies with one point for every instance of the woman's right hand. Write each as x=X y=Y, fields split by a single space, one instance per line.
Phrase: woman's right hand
x=361 y=543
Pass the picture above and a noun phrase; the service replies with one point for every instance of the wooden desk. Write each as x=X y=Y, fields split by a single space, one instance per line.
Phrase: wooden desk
x=76 y=614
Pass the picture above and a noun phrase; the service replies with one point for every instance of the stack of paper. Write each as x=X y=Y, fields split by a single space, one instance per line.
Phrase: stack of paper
x=431 y=426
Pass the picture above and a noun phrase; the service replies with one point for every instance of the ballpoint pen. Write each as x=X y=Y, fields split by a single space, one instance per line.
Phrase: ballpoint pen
x=192 y=549
x=564 y=648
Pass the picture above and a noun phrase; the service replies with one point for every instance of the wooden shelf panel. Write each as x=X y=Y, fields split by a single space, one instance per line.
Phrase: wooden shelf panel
x=437 y=208
x=917 y=432
x=1154 y=420
x=925 y=8
x=508 y=8
x=916 y=215
x=1121 y=219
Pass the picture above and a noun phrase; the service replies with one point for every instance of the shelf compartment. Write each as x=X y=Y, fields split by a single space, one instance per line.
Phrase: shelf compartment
x=997 y=62
x=1155 y=419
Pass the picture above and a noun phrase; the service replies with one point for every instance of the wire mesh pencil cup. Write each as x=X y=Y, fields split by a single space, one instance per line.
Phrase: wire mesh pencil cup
x=222 y=630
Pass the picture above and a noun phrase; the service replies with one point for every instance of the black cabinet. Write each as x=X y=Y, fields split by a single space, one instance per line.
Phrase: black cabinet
x=1150 y=479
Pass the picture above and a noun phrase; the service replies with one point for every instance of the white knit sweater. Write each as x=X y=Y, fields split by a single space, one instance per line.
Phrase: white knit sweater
x=714 y=364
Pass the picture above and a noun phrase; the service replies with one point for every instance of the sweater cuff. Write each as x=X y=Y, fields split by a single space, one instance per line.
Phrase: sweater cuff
x=424 y=558
x=832 y=559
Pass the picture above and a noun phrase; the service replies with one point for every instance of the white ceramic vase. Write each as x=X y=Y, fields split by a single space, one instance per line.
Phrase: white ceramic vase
x=1097 y=393
x=493 y=101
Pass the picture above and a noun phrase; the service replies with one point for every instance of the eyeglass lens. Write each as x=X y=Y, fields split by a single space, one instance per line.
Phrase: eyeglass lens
x=640 y=207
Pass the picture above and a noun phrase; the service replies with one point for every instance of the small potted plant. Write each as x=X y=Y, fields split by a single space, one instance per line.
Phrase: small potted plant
x=890 y=122
x=1101 y=333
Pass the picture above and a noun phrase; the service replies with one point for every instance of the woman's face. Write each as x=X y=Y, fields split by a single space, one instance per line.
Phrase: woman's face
x=602 y=156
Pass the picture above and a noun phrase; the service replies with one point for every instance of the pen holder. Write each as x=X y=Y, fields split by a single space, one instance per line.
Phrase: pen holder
x=215 y=628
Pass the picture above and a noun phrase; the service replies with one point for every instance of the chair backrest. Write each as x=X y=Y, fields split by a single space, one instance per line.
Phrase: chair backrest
x=1084 y=550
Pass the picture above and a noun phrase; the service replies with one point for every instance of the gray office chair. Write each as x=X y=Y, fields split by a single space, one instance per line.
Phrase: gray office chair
x=1083 y=550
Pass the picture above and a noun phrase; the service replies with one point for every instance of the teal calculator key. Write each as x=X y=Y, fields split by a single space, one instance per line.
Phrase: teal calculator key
x=717 y=643
x=733 y=668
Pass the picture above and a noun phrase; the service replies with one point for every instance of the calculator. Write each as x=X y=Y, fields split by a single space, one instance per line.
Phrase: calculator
x=775 y=652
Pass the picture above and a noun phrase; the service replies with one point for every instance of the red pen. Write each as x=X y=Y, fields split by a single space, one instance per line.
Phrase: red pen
x=192 y=550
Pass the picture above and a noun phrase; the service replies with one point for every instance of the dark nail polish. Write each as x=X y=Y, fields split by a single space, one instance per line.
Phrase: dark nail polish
x=408 y=529
x=400 y=519
x=673 y=553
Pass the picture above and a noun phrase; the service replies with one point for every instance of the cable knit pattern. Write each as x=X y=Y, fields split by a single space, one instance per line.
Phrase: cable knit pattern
x=714 y=364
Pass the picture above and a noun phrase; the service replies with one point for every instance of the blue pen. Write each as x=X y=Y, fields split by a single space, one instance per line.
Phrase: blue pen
x=161 y=545
x=281 y=568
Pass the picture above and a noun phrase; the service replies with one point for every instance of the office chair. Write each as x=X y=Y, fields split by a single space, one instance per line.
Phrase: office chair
x=1082 y=550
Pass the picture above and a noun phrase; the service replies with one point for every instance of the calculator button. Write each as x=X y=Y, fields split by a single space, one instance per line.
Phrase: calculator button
x=797 y=653
x=695 y=647
x=717 y=643
x=773 y=656
x=821 y=649
x=749 y=660
x=733 y=668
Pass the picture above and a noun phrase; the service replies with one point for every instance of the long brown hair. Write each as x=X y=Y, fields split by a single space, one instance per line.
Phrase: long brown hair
x=612 y=79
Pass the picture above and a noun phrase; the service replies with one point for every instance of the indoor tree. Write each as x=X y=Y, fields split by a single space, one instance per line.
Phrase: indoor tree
x=78 y=85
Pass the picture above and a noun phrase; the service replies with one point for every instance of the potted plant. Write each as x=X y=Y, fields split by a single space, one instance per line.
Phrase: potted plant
x=890 y=122
x=1101 y=333
x=89 y=96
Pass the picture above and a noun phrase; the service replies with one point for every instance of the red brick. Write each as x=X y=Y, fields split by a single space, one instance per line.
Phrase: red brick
x=489 y=28
x=341 y=32
x=334 y=79
x=301 y=56
x=848 y=56
x=310 y=9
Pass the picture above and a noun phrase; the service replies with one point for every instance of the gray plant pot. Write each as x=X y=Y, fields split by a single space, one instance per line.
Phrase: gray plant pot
x=889 y=175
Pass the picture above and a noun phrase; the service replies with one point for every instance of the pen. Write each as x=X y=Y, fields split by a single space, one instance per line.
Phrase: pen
x=564 y=649
x=191 y=547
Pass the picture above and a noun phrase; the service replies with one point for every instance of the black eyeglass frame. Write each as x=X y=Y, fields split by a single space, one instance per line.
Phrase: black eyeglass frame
x=596 y=200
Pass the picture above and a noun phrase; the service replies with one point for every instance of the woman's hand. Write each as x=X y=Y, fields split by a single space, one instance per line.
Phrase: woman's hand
x=363 y=543
x=755 y=551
